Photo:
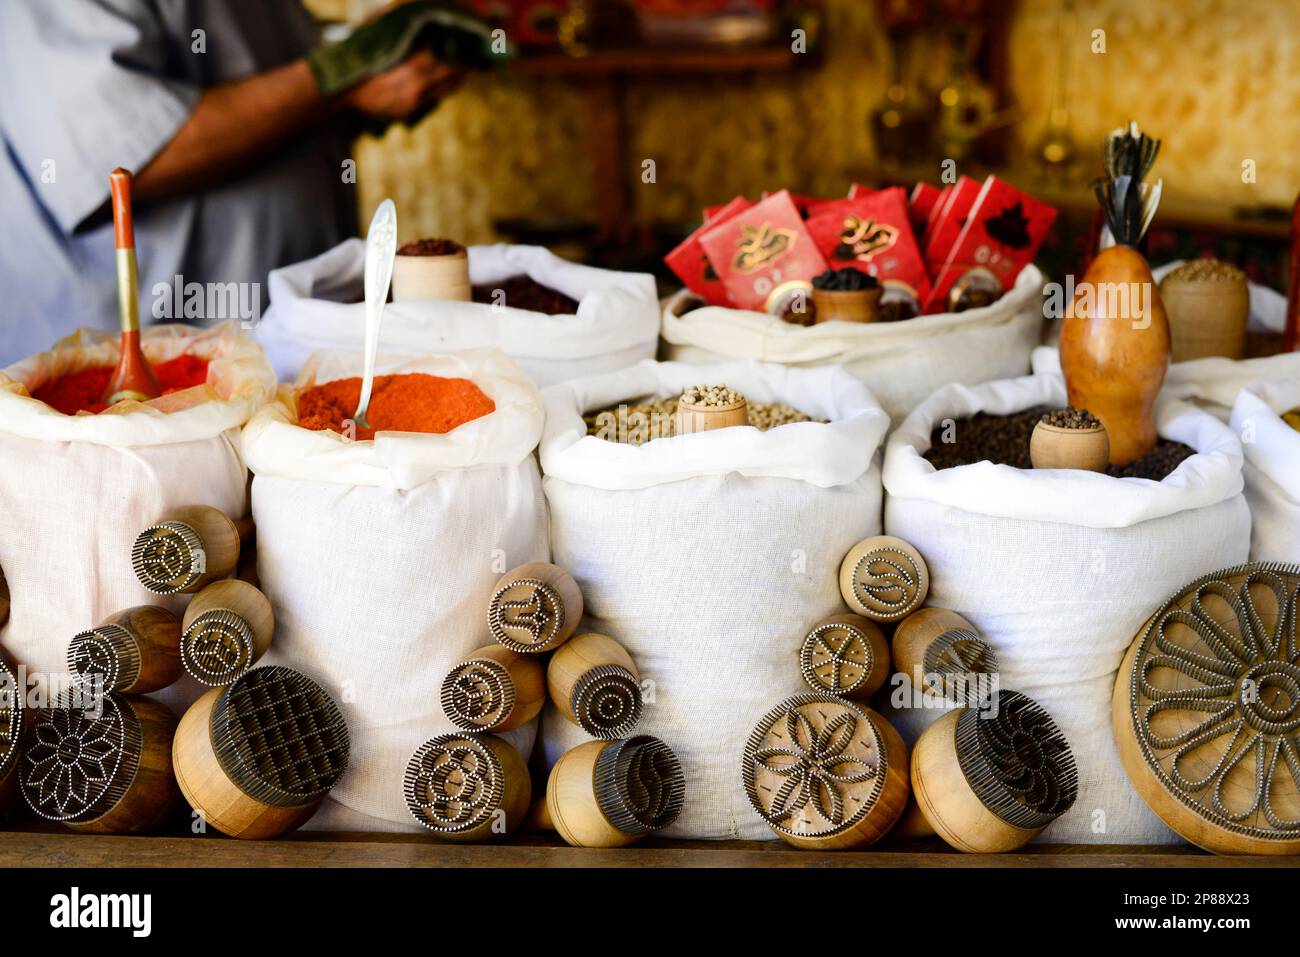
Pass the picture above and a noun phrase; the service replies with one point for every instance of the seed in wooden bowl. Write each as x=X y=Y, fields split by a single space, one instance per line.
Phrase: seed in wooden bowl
x=1206 y=270
x=711 y=396
x=643 y=422
x=1071 y=418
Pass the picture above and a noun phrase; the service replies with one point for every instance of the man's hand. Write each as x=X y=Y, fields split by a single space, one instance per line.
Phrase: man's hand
x=406 y=92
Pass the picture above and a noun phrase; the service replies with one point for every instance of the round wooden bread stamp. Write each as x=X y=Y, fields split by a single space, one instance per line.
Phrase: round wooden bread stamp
x=493 y=689
x=594 y=683
x=884 y=578
x=826 y=773
x=845 y=655
x=13 y=725
x=989 y=779
x=535 y=607
x=187 y=548
x=467 y=787
x=134 y=651
x=613 y=793
x=259 y=756
x=228 y=628
x=101 y=766
x=1206 y=711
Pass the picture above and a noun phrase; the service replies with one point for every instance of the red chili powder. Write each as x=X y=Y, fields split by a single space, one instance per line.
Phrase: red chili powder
x=410 y=402
x=82 y=391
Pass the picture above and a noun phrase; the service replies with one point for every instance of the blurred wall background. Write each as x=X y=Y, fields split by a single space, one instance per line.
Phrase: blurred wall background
x=1216 y=79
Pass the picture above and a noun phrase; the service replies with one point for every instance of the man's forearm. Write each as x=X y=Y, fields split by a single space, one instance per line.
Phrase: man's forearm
x=231 y=126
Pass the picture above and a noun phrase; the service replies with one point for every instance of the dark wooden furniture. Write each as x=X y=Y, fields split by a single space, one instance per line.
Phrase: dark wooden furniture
x=58 y=848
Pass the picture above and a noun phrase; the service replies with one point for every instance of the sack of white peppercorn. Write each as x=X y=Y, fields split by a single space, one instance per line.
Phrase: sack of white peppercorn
x=556 y=319
x=1058 y=568
x=709 y=555
x=902 y=362
x=1263 y=420
x=380 y=557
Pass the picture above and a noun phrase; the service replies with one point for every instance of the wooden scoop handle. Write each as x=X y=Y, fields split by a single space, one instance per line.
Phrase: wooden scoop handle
x=119 y=183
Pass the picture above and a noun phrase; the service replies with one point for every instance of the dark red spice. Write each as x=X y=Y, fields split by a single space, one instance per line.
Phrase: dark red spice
x=82 y=391
x=524 y=292
x=410 y=402
x=431 y=247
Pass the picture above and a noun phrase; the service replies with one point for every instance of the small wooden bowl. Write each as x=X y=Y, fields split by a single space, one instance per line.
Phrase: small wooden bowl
x=966 y=768
x=702 y=418
x=432 y=277
x=134 y=652
x=613 y=793
x=228 y=627
x=1207 y=317
x=494 y=689
x=862 y=305
x=845 y=655
x=1052 y=447
x=884 y=578
x=257 y=758
x=594 y=683
x=467 y=788
x=101 y=770
x=187 y=548
x=534 y=608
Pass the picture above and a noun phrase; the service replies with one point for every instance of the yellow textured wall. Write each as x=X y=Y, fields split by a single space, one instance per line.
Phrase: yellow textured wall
x=1216 y=79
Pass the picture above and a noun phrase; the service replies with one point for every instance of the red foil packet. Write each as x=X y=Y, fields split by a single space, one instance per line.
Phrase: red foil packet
x=758 y=253
x=1003 y=232
x=947 y=226
x=689 y=263
x=873 y=234
x=921 y=203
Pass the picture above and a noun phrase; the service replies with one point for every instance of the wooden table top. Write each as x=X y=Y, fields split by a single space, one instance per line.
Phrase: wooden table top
x=57 y=848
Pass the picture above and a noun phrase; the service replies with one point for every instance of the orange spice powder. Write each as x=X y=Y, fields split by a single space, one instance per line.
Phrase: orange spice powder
x=410 y=402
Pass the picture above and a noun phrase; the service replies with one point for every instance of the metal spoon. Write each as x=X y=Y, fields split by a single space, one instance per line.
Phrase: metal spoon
x=381 y=248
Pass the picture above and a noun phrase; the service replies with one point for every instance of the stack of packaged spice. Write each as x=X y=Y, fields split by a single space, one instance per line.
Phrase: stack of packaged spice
x=933 y=251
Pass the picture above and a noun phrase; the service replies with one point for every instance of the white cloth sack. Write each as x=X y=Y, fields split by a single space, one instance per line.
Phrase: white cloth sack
x=902 y=362
x=617 y=323
x=1058 y=569
x=1212 y=383
x=379 y=559
x=709 y=556
x=76 y=490
x=1272 y=468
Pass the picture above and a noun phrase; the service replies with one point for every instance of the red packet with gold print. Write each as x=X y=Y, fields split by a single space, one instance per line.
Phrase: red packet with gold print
x=873 y=234
x=759 y=253
x=693 y=268
x=1002 y=234
x=947 y=225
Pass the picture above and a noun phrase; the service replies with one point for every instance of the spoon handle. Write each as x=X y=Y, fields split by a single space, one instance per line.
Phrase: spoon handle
x=381 y=248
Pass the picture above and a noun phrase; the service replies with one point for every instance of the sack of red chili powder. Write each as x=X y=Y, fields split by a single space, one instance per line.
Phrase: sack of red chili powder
x=76 y=489
x=380 y=556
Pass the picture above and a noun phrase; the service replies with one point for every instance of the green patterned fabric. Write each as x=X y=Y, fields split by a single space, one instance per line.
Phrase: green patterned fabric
x=455 y=37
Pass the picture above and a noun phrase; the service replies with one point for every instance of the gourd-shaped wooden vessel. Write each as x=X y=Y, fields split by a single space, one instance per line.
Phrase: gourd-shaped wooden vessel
x=1115 y=336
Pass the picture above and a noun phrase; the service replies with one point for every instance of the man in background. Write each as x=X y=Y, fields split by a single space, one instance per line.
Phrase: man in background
x=239 y=159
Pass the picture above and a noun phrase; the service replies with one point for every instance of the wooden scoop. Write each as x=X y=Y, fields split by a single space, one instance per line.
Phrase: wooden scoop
x=133 y=378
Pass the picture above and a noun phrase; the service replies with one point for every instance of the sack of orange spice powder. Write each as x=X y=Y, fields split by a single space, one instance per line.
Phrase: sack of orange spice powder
x=76 y=489
x=380 y=556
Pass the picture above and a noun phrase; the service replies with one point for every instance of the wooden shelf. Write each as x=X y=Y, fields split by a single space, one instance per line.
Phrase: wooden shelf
x=50 y=848
x=660 y=63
